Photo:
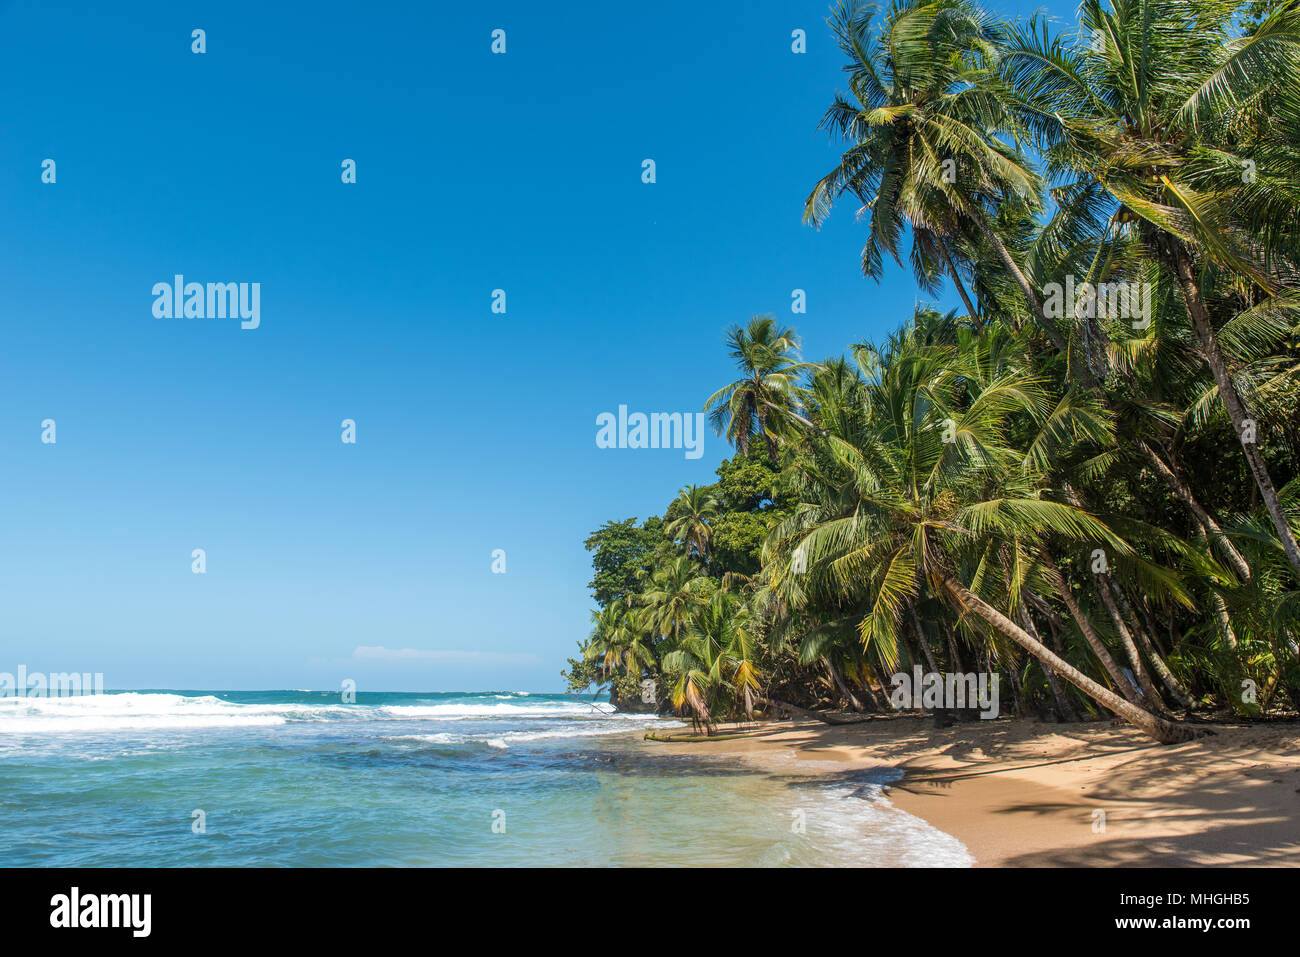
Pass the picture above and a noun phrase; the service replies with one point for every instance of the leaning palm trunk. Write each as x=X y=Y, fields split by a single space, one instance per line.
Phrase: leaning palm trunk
x=993 y=239
x=1130 y=646
x=1063 y=708
x=1176 y=483
x=1161 y=729
x=843 y=687
x=1122 y=681
x=1158 y=664
x=956 y=280
x=1149 y=622
x=1231 y=400
x=1222 y=619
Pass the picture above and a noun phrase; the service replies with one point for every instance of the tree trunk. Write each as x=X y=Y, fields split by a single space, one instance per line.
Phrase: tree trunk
x=1222 y=618
x=958 y=663
x=1017 y=690
x=1179 y=487
x=956 y=279
x=1058 y=646
x=993 y=239
x=1122 y=682
x=840 y=684
x=1161 y=729
x=943 y=717
x=1230 y=398
x=1167 y=677
x=1063 y=709
x=1149 y=621
x=877 y=704
x=1130 y=647
x=817 y=715
x=921 y=637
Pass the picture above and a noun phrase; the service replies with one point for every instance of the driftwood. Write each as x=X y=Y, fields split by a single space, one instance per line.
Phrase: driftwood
x=816 y=715
x=651 y=736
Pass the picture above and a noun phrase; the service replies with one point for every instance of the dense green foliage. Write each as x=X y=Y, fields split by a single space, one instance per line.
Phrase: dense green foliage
x=623 y=552
x=1087 y=480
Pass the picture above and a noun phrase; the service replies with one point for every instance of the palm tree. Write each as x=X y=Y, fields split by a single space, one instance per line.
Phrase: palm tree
x=618 y=641
x=923 y=122
x=929 y=490
x=768 y=395
x=696 y=507
x=1163 y=109
x=945 y=496
x=674 y=591
x=727 y=621
x=716 y=652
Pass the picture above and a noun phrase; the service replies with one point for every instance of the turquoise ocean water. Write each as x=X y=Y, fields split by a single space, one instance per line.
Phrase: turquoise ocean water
x=296 y=778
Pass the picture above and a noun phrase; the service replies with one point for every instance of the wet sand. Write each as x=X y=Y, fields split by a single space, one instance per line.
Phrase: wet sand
x=1023 y=793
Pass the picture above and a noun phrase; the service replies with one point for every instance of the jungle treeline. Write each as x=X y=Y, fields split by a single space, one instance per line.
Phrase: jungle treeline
x=1087 y=478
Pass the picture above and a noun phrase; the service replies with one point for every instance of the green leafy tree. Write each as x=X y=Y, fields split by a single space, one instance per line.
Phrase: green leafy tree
x=621 y=555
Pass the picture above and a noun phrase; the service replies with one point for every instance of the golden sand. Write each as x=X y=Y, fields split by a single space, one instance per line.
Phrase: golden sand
x=1024 y=793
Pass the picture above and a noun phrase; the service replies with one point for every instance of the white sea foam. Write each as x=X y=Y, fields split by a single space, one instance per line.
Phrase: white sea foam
x=157 y=711
x=592 y=729
x=499 y=739
x=143 y=711
x=858 y=820
x=452 y=712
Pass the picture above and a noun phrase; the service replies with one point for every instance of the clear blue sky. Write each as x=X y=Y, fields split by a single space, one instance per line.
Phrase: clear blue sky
x=475 y=431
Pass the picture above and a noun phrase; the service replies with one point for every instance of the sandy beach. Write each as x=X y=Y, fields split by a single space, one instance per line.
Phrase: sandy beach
x=1025 y=793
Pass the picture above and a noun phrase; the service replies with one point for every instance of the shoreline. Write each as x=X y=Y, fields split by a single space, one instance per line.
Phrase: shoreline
x=1021 y=793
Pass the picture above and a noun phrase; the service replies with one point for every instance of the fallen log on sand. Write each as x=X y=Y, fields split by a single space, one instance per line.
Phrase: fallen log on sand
x=816 y=715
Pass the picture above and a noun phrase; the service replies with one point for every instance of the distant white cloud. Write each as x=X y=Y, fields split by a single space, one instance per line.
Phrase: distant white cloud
x=440 y=656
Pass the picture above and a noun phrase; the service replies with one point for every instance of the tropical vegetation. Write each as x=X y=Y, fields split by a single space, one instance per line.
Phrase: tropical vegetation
x=1086 y=479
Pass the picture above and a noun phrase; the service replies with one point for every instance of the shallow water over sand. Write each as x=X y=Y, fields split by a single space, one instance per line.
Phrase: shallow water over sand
x=498 y=778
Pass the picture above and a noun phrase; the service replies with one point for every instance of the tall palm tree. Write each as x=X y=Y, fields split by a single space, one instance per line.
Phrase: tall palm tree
x=1161 y=108
x=696 y=507
x=924 y=125
x=768 y=395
